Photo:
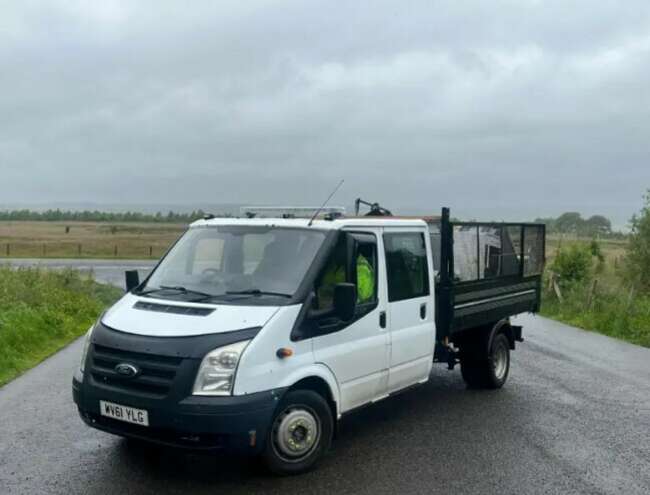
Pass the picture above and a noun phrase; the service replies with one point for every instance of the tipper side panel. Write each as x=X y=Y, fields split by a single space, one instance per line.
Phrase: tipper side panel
x=486 y=271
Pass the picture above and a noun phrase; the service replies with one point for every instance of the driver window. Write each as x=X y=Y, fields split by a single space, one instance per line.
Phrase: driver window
x=364 y=274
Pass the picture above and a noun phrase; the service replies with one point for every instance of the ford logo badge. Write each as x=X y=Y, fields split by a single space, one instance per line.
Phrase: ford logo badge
x=126 y=370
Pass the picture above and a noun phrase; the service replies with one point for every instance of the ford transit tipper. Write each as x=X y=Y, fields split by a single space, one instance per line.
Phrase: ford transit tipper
x=259 y=334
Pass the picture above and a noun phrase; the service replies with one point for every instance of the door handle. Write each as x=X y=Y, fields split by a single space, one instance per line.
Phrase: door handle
x=382 y=319
x=423 y=310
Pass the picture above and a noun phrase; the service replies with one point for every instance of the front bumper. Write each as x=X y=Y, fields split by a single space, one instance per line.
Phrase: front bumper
x=238 y=423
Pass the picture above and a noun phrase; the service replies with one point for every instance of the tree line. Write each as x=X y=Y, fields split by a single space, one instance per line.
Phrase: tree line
x=572 y=222
x=100 y=216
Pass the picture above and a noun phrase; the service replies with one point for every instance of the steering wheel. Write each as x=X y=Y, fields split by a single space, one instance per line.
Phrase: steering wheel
x=209 y=274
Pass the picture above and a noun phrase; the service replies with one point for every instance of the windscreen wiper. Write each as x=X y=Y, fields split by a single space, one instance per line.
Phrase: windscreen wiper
x=178 y=288
x=258 y=292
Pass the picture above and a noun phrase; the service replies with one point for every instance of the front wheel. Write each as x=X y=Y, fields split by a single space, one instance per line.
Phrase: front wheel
x=300 y=434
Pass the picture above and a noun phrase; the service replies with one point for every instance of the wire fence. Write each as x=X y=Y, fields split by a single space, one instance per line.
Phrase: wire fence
x=81 y=250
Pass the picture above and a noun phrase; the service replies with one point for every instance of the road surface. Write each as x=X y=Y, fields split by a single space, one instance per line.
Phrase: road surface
x=574 y=417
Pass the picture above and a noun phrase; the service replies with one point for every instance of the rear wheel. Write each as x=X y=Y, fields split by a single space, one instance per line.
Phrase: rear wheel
x=487 y=371
x=498 y=361
x=300 y=434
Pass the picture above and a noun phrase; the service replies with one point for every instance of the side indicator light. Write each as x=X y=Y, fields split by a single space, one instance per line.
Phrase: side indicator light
x=284 y=352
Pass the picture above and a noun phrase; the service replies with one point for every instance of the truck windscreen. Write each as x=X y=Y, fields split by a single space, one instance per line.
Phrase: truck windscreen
x=234 y=263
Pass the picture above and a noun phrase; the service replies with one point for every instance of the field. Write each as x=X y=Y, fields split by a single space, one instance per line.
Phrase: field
x=86 y=239
x=40 y=312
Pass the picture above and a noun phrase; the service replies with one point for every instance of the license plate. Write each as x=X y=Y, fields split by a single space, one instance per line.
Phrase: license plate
x=124 y=413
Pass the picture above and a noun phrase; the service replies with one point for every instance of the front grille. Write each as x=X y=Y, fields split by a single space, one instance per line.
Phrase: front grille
x=156 y=375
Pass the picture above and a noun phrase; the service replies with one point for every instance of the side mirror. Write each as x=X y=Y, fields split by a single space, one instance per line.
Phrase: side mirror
x=345 y=301
x=132 y=279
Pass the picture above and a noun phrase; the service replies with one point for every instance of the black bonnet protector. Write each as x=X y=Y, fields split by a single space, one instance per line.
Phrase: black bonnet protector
x=194 y=346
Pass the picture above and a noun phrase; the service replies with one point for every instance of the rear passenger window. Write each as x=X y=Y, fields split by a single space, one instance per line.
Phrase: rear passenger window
x=406 y=263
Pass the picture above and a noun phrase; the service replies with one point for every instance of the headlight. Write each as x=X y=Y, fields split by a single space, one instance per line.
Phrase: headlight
x=84 y=352
x=216 y=374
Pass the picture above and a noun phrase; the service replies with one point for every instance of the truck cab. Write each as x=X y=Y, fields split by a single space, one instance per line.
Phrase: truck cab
x=259 y=334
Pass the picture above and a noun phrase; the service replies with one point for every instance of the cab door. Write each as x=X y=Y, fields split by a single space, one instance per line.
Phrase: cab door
x=356 y=351
x=410 y=306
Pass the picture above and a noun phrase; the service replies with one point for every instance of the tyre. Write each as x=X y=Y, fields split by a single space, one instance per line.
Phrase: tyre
x=473 y=373
x=498 y=361
x=300 y=434
x=487 y=371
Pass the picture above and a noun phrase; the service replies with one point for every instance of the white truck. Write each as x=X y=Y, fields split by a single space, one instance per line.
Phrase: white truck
x=250 y=333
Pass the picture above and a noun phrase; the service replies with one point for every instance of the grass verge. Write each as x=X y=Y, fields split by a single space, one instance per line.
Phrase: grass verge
x=42 y=311
x=615 y=312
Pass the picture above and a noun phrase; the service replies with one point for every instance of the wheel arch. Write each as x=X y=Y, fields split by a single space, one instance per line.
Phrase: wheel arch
x=320 y=380
x=502 y=326
x=478 y=340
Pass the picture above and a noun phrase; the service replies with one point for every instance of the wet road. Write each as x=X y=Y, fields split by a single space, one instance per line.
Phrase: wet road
x=574 y=417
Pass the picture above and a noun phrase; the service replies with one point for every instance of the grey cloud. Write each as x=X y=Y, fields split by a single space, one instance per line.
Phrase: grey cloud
x=509 y=109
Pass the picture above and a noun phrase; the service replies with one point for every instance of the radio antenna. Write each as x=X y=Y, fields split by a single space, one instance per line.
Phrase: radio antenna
x=326 y=201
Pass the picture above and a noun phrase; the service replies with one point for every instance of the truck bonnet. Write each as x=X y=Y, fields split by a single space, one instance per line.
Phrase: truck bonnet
x=165 y=318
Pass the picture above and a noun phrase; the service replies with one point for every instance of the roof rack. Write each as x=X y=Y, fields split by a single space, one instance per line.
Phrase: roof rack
x=329 y=212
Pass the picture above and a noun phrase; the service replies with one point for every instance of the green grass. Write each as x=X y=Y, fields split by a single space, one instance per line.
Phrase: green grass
x=42 y=311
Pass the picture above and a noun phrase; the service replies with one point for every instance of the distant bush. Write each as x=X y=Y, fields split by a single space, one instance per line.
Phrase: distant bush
x=596 y=251
x=573 y=263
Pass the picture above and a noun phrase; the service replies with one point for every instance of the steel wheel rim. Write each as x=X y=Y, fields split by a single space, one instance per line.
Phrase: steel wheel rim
x=296 y=433
x=500 y=361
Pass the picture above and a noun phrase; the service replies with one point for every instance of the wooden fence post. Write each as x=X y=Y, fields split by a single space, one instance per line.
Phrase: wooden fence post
x=150 y=251
x=630 y=298
x=8 y=250
x=551 y=277
x=557 y=290
x=79 y=249
x=115 y=251
x=592 y=291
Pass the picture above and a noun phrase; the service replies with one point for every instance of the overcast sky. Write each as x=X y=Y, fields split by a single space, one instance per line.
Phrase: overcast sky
x=502 y=109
